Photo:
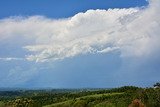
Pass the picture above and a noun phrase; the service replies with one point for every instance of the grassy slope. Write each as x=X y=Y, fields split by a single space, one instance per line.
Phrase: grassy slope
x=1 y=104
x=95 y=96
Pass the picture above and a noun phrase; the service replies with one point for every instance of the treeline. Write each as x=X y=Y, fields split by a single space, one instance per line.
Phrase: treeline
x=132 y=97
x=117 y=97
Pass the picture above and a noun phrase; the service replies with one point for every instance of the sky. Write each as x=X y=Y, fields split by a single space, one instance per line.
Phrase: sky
x=79 y=44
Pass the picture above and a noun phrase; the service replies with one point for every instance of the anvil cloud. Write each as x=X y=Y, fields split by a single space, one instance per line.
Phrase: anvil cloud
x=133 y=32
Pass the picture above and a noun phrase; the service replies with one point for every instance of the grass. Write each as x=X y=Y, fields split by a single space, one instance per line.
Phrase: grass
x=1 y=104
x=100 y=95
x=70 y=102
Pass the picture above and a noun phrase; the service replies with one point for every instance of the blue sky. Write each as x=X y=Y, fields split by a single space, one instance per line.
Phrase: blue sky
x=60 y=8
x=79 y=44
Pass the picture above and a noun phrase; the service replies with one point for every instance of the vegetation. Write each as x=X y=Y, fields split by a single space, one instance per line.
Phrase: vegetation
x=127 y=96
x=157 y=85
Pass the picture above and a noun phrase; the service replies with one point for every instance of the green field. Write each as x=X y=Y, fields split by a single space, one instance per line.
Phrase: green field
x=70 y=102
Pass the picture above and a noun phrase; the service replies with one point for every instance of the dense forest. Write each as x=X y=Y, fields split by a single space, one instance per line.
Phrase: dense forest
x=127 y=96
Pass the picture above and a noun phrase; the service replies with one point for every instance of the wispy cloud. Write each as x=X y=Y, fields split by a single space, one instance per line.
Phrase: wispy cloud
x=133 y=31
x=109 y=49
x=12 y=59
x=18 y=75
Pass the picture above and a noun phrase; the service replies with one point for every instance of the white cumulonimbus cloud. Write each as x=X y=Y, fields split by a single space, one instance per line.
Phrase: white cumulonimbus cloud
x=133 y=32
